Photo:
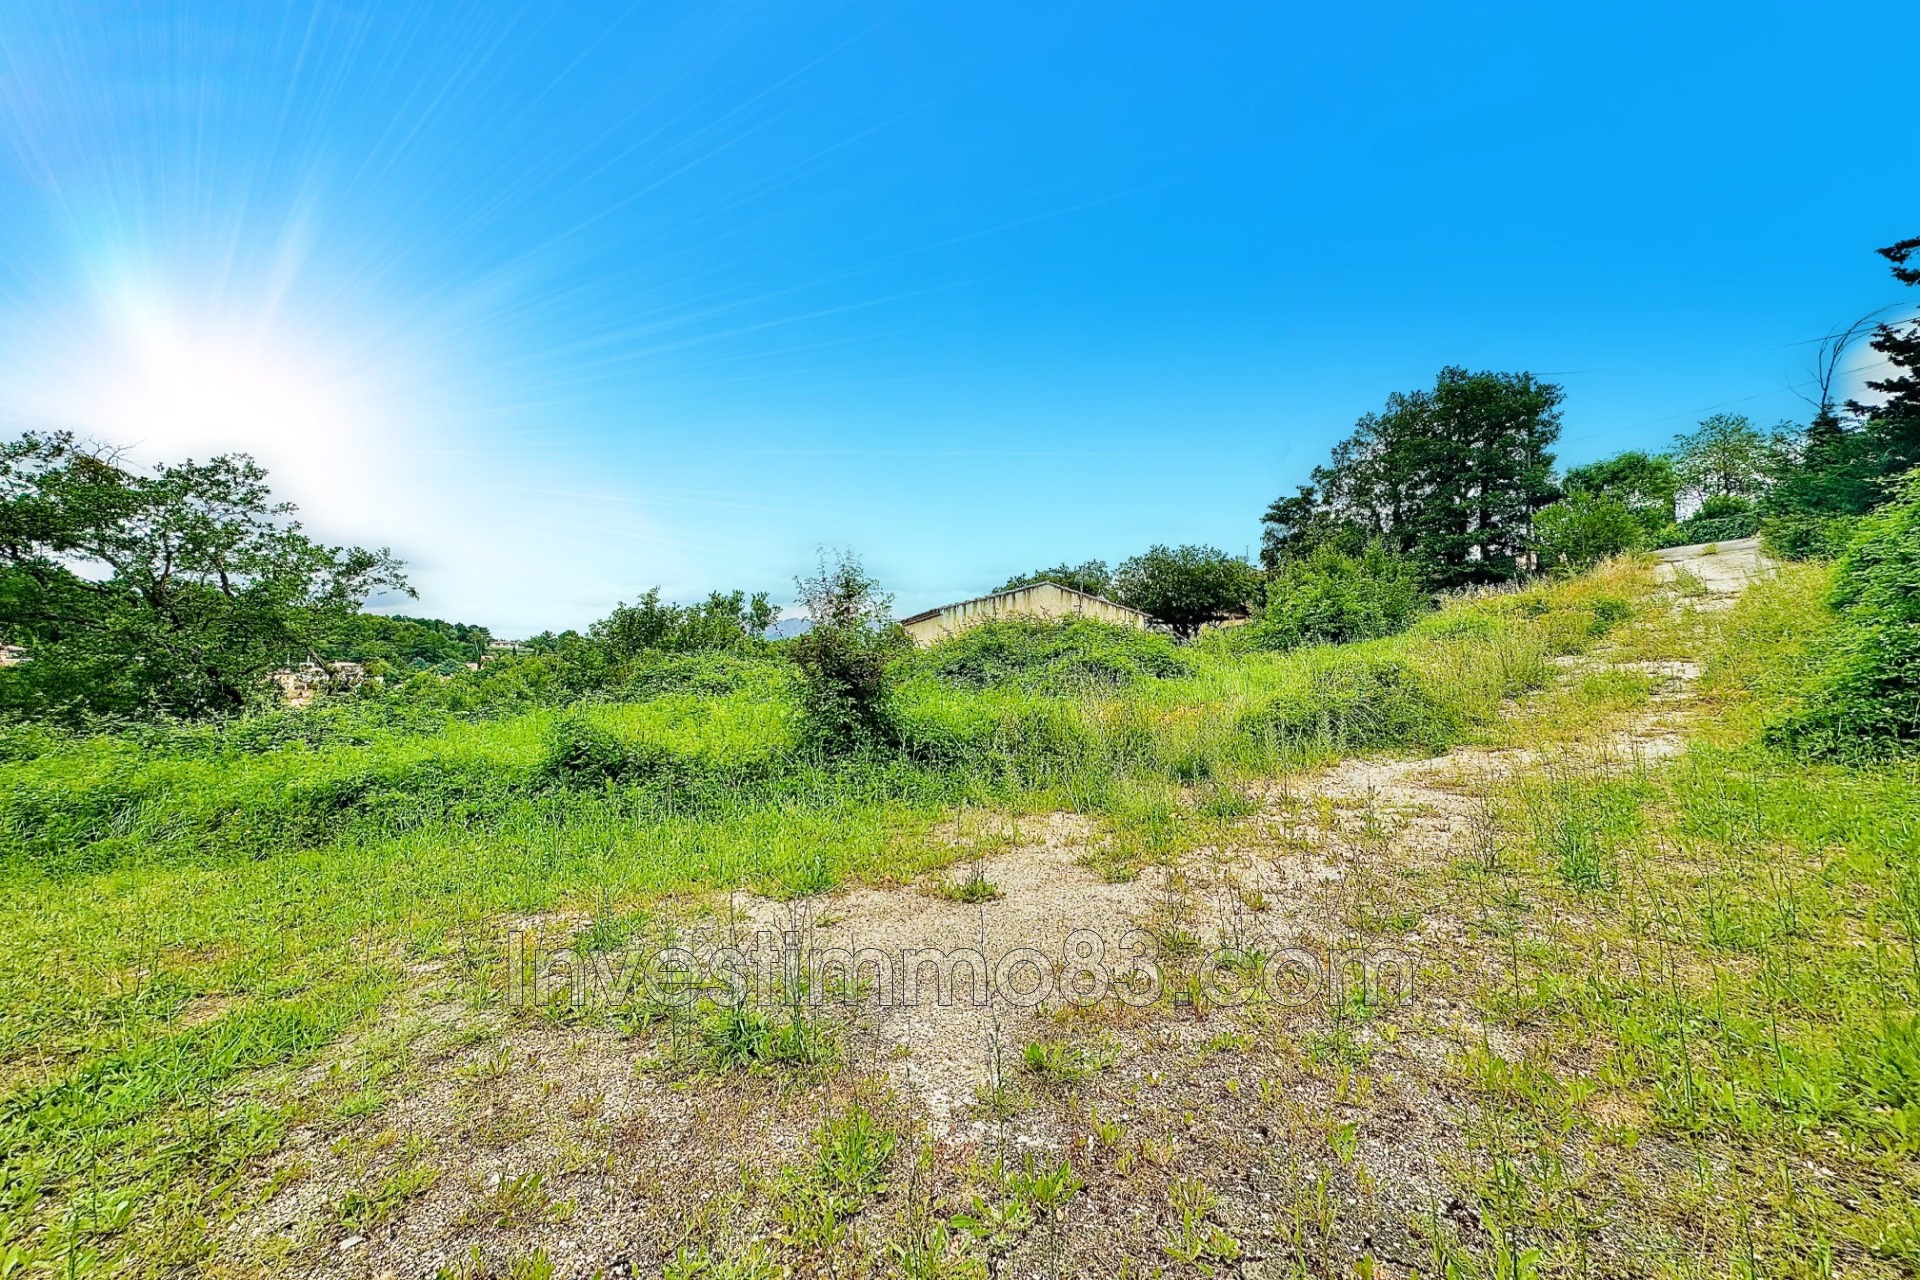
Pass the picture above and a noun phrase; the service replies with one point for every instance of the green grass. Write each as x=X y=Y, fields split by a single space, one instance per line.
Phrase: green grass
x=1717 y=959
x=192 y=912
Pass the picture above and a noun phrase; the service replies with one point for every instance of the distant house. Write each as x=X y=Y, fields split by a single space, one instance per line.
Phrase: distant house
x=1041 y=600
x=298 y=685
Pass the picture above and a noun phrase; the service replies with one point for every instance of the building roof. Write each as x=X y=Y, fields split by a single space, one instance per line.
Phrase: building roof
x=1014 y=591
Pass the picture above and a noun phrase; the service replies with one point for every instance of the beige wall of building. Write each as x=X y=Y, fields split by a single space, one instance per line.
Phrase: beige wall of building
x=1039 y=600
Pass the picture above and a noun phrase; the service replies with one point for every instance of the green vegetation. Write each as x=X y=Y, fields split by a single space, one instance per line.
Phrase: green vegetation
x=1068 y=656
x=1714 y=959
x=1674 y=939
x=291 y=877
x=847 y=675
x=1185 y=588
x=401 y=644
x=173 y=592
x=1645 y=484
x=1450 y=476
x=1583 y=529
x=1328 y=597
x=1866 y=698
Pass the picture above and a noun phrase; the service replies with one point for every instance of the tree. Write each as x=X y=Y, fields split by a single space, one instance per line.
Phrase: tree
x=845 y=676
x=403 y=643
x=1296 y=526
x=1187 y=587
x=1644 y=483
x=1830 y=467
x=721 y=622
x=1092 y=577
x=172 y=591
x=1450 y=477
x=1584 y=528
x=1724 y=457
x=1893 y=420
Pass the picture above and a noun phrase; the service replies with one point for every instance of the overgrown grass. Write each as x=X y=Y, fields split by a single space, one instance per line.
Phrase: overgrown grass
x=187 y=910
x=1716 y=962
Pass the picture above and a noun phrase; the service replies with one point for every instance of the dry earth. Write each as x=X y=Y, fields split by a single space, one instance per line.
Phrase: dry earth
x=1322 y=1129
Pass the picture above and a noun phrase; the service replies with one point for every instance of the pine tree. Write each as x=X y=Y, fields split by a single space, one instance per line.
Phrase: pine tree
x=1893 y=421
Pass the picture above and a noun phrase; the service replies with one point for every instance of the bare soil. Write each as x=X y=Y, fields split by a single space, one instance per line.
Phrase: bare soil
x=1323 y=1129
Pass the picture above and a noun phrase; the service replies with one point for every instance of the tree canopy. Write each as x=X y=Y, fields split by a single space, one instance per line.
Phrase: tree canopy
x=1187 y=587
x=173 y=590
x=650 y=625
x=1723 y=457
x=1643 y=483
x=1893 y=418
x=1449 y=476
x=403 y=643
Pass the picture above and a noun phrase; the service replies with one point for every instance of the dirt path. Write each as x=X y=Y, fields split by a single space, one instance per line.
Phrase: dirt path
x=1289 y=861
x=1724 y=569
x=627 y=1163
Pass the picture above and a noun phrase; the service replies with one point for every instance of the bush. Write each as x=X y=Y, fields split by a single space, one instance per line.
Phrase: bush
x=1331 y=598
x=1723 y=506
x=1070 y=655
x=582 y=753
x=1808 y=537
x=845 y=659
x=1698 y=529
x=1583 y=529
x=1866 y=693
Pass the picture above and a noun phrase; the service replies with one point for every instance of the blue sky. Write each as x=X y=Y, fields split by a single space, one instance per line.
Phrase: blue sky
x=567 y=300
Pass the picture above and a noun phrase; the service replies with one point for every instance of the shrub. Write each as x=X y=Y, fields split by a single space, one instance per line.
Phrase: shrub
x=582 y=753
x=1723 y=506
x=1696 y=529
x=1065 y=656
x=846 y=677
x=1331 y=598
x=1808 y=537
x=1866 y=693
x=1583 y=529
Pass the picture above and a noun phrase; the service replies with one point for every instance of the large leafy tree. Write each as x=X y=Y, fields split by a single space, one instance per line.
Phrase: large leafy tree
x=172 y=591
x=1298 y=524
x=1187 y=587
x=1643 y=483
x=1449 y=476
x=1723 y=457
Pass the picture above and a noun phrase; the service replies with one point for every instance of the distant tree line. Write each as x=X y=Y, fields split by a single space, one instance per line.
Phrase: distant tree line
x=402 y=644
x=176 y=591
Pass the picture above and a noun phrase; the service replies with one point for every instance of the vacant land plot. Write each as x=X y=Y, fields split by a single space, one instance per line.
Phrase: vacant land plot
x=1501 y=948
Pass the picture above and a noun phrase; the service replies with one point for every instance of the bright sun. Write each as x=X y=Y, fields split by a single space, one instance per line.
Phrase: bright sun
x=180 y=380
x=170 y=382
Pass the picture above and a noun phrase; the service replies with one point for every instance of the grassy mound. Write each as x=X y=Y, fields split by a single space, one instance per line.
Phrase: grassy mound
x=1067 y=656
